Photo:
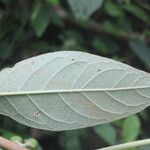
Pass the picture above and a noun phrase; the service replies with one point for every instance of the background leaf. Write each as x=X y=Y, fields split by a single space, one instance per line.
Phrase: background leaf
x=40 y=17
x=85 y=8
x=107 y=133
x=112 y=9
x=137 y=11
x=70 y=141
x=131 y=128
x=141 y=50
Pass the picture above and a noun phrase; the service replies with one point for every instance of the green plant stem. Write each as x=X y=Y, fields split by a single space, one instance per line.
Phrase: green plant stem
x=127 y=145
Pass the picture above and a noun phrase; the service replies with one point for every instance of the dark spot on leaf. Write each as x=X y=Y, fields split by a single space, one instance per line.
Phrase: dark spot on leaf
x=37 y=114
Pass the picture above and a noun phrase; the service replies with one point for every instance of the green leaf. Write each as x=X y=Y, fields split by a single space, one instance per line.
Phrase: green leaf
x=53 y=2
x=107 y=132
x=112 y=28
x=113 y=9
x=141 y=50
x=69 y=90
x=84 y=8
x=137 y=11
x=131 y=128
x=7 y=134
x=118 y=123
x=105 y=45
x=56 y=20
x=70 y=140
x=40 y=17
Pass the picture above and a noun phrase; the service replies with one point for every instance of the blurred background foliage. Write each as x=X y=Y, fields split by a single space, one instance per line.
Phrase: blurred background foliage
x=118 y=29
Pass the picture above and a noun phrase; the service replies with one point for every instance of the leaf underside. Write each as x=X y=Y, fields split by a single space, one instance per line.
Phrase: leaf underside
x=69 y=90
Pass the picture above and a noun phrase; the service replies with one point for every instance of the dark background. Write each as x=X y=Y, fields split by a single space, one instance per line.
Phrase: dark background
x=118 y=29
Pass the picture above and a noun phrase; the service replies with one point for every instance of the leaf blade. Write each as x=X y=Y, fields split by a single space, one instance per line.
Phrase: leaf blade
x=69 y=90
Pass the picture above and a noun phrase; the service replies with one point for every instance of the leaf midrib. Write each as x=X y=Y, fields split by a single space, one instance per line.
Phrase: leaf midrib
x=70 y=91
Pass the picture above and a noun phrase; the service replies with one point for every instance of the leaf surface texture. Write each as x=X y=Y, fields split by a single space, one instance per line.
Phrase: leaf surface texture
x=69 y=90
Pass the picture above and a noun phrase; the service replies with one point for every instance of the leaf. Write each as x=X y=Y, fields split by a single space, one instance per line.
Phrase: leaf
x=84 y=8
x=141 y=50
x=105 y=45
x=104 y=130
x=40 y=17
x=70 y=140
x=137 y=11
x=69 y=90
x=131 y=128
x=112 y=28
x=53 y=2
x=113 y=9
